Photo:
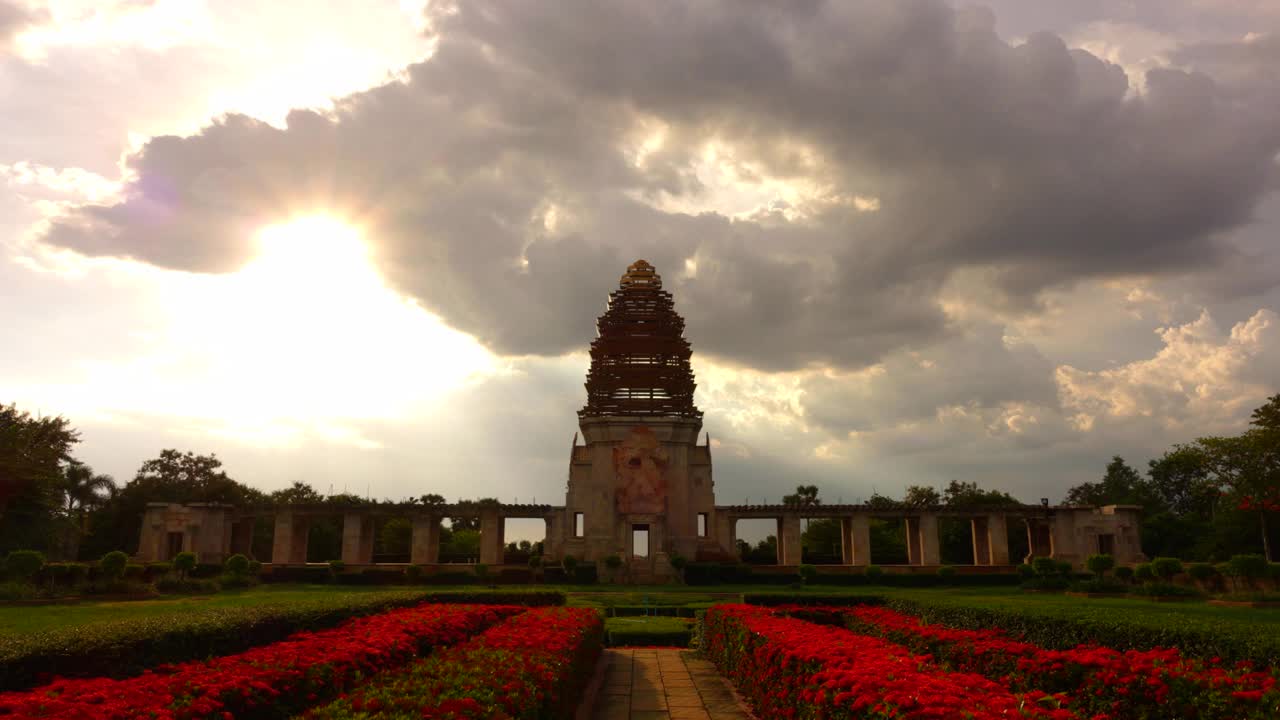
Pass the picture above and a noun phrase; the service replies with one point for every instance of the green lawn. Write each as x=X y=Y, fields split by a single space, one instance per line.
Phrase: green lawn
x=1264 y=621
x=31 y=619
x=19 y=620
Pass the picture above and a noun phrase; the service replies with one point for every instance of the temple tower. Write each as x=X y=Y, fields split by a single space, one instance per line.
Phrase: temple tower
x=640 y=487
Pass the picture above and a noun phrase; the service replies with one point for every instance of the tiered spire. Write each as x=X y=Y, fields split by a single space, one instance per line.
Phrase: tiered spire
x=640 y=360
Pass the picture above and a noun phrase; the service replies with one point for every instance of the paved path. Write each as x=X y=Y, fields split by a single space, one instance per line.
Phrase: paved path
x=667 y=684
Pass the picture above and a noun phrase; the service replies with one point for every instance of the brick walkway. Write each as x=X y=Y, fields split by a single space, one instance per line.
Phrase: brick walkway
x=667 y=684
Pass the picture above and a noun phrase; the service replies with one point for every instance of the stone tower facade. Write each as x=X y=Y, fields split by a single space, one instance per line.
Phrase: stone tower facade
x=640 y=471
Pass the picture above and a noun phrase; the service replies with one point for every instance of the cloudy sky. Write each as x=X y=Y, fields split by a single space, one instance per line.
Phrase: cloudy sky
x=363 y=244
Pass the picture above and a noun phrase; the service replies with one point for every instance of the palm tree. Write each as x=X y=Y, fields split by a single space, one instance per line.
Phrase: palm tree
x=83 y=490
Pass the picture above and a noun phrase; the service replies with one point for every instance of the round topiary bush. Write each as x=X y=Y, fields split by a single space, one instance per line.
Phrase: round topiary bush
x=1166 y=568
x=113 y=564
x=874 y=573
x=184 y=562
x=1100 y=564
x=570 y=564
x=237 y=566
x=1026 y=572
x=1250 y=567
x=946 y=572
x=24 y=564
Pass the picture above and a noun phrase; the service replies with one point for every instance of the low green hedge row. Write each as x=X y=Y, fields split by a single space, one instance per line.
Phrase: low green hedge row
x=742 y=574
x=120 y=649
x=1195 y=636
x=772 y=599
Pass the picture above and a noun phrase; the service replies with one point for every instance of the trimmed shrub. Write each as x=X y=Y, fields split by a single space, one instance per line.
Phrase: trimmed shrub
x=1101 y=585
x=1166 y=568
x=133 y=572
x=772 y=599
x=189 y=586
x=482 y=571
x=1044 y=566
x=127 y=647
x=946 y=573
x=1203 y=573
x=24 y=564
x=1194 y=636
x=1124 y=573
x=1026 y=571
x=112 y=565
x=808 y=573
x=413 y=574
x=1250 y=567
x=1144 y=573
x=1065 y=568
x=570 y=564
x=1165 y=589
x=184 y=562
x=337 y=566
x=1100 y=564
x=873 y=573
x=237 y=565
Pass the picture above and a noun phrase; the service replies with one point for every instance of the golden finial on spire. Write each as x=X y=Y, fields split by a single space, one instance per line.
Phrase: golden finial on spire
x=641 y=273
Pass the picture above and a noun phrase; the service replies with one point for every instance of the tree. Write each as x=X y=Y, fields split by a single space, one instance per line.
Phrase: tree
x=1181 y=478
x=804 y=496
x=32 y=453
x=1121 y=485
x=921 y=496
x=173 y=477
x=968 y=493
x=299 y=493
x=396 y=537
x=83 y=490
x=1247 y=468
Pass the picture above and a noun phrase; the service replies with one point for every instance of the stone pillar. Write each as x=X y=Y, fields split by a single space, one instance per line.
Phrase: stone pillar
x=424 y=548
x=998 y=539
x=1063 y=543
x=357 y=539
x=859 y=540
x=846 y=541
x=930 y=554
x=289 y=544
x=981 y=541
x=1039 y=543
x=491 y=536
x=789 y=540
x=724 y=532
x=911 y=527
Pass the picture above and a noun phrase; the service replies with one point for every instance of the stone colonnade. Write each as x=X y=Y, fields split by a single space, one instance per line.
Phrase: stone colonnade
x=293 y=524
x=1063 y=533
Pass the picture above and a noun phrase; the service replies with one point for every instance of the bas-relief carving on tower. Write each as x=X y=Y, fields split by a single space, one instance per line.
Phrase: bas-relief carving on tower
x=640 y=428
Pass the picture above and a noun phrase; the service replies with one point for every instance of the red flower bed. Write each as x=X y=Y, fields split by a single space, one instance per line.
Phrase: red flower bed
x=1159 y=683
x=790 y=668
x=530 y=667
x=265 y=682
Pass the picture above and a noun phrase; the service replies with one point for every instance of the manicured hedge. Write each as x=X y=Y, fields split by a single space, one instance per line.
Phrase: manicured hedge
x=771 y=599
x=125 y=648
x=1193 y=636
x=705 y=573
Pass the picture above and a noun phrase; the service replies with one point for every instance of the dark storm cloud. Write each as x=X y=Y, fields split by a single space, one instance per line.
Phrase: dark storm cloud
x=1031 y=160
x=14 y=18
